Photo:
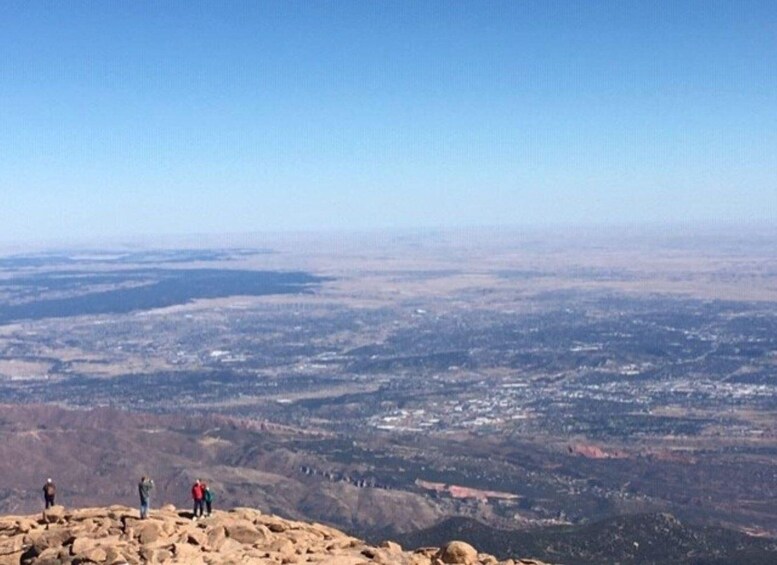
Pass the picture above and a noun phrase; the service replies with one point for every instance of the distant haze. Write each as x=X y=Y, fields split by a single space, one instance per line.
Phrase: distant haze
x=142 y=118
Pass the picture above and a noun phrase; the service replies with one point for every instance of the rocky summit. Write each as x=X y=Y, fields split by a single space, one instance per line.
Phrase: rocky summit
x=115 y=535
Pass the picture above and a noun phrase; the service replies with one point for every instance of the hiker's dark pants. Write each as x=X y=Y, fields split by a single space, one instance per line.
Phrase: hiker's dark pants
x=198 y=508
x=49 y=500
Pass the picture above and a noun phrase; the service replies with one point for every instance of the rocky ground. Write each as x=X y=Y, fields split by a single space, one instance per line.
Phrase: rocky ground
x=115 y=535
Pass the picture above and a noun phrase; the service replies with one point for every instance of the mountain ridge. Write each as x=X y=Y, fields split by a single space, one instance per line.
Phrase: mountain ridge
x=653 y=538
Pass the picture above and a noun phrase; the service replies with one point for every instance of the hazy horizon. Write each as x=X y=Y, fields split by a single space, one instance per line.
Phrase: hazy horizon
x=614 y=235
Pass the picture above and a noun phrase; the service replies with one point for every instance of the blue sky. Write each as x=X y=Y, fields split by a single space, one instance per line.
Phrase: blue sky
x=168 y=117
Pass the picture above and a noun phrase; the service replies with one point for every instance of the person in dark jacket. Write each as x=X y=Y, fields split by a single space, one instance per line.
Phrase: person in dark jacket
x=207 y=495
x=144 y=490
x=198 y=492
x=49 y=492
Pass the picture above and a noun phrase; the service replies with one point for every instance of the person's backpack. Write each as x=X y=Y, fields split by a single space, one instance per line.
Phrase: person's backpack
x=50 y=489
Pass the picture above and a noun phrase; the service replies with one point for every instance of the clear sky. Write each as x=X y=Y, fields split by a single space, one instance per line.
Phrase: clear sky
x=132 y=117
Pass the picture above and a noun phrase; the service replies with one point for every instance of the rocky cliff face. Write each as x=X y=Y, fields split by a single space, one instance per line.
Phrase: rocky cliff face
x=115 y=535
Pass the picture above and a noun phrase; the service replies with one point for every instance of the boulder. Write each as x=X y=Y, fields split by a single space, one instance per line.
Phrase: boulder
x=246 y=532
x=275 y=525
x=281 y=546
x=392 y=546
x=54 y=515
x=9 y=526
x=43 y=539
x=245 y=513
x=185 y=552
x=458 y=552
x=386 y=557
x=149 y=532
x=49 y=554
x=114 y=555
x=156 y=555
x=24 y=525
x=216 y=537
x=196 y=538
x=82 y=544
x=11 y=548
x=94 y=554
x=418 y=559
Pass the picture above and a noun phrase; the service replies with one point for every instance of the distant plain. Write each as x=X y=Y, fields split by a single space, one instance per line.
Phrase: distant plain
x=582 y=375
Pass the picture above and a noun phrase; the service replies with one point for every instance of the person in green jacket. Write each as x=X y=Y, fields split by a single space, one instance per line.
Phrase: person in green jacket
x=208 y=498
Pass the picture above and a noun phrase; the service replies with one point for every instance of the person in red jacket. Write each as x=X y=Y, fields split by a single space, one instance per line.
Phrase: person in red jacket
x=198 y=494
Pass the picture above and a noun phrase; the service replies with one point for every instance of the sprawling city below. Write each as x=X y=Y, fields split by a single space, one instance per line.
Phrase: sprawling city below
x=387 y=382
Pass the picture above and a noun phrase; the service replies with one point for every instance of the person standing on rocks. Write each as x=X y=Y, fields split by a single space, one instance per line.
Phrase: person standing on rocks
x=49 y=492
x=198 y=492
x=207 y=496
x=144 y=490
